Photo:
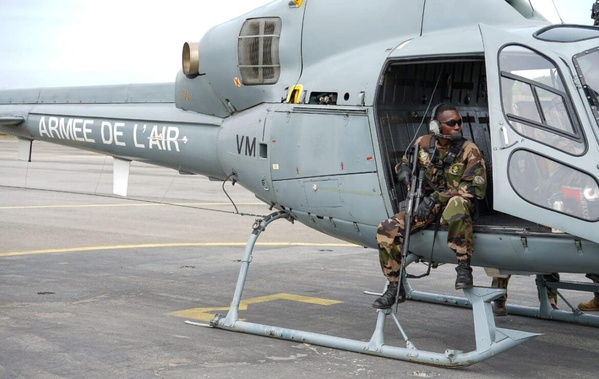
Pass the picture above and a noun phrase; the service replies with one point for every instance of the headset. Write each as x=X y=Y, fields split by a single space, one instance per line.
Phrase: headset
x=434 y=126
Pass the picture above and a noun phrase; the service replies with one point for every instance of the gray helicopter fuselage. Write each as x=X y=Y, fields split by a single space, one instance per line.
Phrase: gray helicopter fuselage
x=315 y=125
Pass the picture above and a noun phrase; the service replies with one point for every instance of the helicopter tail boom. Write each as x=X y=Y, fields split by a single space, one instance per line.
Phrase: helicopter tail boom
x=131 y=122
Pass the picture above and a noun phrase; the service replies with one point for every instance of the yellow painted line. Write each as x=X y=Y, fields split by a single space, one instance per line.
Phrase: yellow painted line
x=155 y=245
x=120 y=205
x=206 y=314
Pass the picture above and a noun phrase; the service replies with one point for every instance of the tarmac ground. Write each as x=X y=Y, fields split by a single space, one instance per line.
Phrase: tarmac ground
x=100 y=286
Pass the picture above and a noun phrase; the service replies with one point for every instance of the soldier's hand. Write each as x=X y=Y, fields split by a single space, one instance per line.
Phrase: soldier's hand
x=425 y=208
x=404 y=174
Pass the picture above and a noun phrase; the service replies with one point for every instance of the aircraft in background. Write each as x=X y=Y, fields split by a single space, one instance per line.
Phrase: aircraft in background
x=309 y=104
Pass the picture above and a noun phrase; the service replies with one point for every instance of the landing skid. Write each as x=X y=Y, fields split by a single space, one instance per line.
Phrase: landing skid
x=490 y=340
x=543 y=311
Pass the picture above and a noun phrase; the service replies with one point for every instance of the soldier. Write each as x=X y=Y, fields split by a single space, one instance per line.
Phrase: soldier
x=595 y=13
x=455 y=177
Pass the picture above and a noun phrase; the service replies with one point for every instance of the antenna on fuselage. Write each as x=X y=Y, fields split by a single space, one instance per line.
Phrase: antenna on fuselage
x=557 y=11
x=428 y=106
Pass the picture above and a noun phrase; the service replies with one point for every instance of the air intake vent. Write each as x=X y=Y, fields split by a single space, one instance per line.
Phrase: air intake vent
x=258 y=51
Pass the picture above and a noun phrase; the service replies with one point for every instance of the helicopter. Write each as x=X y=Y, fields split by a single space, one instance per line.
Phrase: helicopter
x=311 y=113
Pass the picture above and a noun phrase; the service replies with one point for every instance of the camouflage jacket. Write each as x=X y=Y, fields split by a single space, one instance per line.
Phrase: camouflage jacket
x=466 y=176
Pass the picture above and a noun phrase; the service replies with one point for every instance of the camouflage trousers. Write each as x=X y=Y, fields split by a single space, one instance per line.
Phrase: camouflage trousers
x=457 y=215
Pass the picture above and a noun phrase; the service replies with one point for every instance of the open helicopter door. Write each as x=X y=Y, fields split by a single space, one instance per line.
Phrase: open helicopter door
x=544 y=170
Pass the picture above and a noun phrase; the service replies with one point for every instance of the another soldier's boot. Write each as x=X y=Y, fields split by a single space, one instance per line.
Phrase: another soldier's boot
x=499 y=307
x=464 y=277
x=387 y=299
x=552 y=292
x=593 y=304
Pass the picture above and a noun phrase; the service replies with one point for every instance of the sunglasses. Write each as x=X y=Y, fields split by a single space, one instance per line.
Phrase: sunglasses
x=452 y=123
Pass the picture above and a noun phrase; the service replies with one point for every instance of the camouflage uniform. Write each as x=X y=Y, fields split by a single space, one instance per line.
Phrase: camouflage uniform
x=457 y=188
x=595 y=13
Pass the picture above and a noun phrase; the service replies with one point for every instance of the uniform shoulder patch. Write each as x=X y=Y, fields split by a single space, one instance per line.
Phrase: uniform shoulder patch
x=454 y=169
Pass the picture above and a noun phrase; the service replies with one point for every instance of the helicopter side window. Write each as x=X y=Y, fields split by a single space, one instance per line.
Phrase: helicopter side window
x=554 y=185
x=535 y=100
x=588 y=72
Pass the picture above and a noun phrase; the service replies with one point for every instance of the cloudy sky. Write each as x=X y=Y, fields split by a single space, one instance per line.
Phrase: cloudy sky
x=50 y=43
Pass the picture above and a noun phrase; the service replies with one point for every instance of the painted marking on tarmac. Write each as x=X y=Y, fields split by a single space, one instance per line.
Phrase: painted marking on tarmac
x=157 y=245
x=207 y=314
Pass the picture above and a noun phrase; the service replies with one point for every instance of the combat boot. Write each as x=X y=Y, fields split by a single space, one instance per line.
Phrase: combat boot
x=552 y=292
x=590 y=306
x=388 y=298
x=464 y=277
x=499 y=307
x=593 y=304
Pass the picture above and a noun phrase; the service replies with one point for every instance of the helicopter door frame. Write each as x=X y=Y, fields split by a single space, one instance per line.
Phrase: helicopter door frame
x=541 y=170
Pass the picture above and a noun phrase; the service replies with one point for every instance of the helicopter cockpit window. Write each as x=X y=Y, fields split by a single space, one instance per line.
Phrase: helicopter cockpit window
x=550 y=184
x=535 y=100
x=258 y=51
x=567 y=33
x=588 y=71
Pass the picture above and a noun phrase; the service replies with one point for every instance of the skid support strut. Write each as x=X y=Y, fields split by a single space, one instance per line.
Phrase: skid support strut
x=490 y=341
x=258 y=228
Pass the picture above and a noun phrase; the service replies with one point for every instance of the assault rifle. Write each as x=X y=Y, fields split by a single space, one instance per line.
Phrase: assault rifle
x=415 y=194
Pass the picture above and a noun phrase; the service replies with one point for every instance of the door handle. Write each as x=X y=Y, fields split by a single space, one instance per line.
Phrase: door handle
x=506 y=140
